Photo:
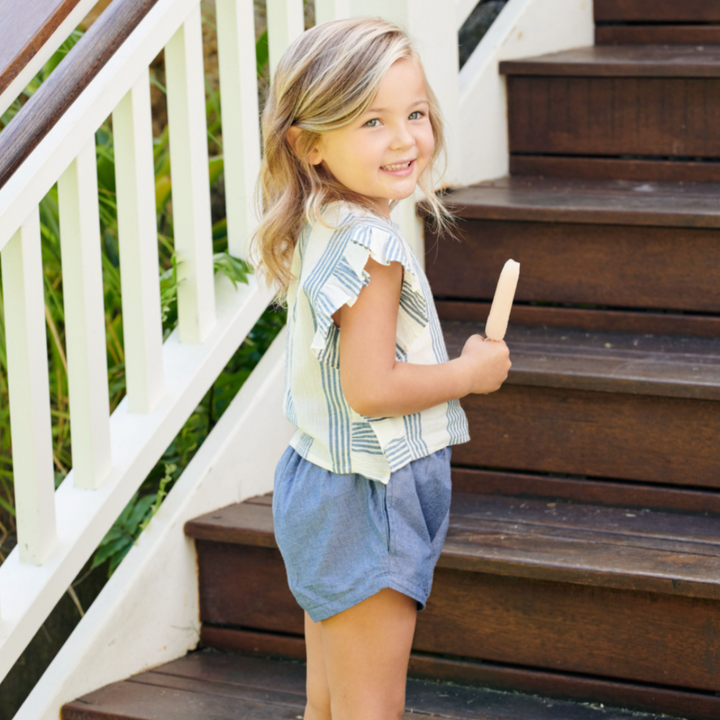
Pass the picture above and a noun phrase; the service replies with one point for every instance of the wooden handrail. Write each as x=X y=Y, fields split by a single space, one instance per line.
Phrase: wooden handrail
x=48 y=104
x=25 y=28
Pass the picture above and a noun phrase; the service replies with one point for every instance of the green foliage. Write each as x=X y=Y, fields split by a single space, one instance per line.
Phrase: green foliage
x=146 y=501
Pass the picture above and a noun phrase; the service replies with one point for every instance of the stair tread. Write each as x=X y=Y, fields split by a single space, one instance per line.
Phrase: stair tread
x=585 y=543
x=697 y=61
x=614 y=202
x=209 y=684
x=672 y=366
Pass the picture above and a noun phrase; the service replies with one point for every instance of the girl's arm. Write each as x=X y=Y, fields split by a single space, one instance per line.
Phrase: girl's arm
x=375 y=384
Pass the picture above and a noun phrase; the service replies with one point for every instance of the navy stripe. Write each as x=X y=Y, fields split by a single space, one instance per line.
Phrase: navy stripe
x=414 y=435
x=335 y=419
x=344 y=434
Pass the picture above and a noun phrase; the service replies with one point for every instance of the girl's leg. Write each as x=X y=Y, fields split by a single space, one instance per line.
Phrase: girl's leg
x=318 y=694
x=367 y=649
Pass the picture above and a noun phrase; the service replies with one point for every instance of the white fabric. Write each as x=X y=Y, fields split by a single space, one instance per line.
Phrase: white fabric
x=328 y=266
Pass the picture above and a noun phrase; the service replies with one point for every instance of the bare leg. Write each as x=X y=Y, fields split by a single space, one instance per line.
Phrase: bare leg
x=318 y=693
x=367 y=649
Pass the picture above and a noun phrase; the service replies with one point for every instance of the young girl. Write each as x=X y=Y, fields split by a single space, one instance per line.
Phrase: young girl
x=362 y=492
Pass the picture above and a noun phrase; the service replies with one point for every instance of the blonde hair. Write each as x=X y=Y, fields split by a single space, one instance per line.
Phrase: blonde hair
x=325 y=80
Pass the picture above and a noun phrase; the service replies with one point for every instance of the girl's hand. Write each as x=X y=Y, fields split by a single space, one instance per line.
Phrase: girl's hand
x=487 y=363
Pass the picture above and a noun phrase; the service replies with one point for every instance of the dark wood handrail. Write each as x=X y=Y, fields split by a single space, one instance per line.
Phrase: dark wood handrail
x=48 y=104
x=24 y=28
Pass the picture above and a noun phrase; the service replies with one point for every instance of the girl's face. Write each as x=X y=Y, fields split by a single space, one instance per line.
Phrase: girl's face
x=383 y=153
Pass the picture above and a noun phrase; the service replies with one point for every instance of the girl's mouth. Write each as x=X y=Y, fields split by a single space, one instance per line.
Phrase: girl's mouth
x=399 y=169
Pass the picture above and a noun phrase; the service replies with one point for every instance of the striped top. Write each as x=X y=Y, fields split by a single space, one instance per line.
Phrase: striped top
x=329 y=270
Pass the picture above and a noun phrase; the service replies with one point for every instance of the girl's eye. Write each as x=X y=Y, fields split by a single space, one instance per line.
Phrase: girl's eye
x=414 y=112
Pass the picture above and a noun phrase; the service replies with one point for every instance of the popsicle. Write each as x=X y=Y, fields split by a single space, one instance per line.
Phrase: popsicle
x=499 y=315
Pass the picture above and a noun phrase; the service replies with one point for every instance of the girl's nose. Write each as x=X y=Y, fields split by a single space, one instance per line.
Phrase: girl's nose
x=402 y=137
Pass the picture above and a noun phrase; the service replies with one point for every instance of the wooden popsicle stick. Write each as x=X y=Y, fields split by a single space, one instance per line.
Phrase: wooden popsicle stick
x=499 y=315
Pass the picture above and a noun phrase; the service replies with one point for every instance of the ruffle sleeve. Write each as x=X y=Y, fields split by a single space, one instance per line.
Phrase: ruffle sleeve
x=345 y=276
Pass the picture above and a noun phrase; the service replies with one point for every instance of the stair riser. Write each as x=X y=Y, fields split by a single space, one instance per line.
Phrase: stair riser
x=639 y=636
x=657 y=35
x=698 y=11
x=247 y=587
x=600 y=631
x=583 y=264
x=598 y=434
x=676 y=117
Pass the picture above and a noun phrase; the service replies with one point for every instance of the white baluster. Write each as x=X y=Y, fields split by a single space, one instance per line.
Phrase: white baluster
x=190 y=179
x=27 y=358
x=137 y=227
x=285 y=23
x=84 y=319
x=326 y=10
x=241 y=133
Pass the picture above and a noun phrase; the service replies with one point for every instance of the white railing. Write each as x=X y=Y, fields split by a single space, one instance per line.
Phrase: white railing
x=58 y=531
x=136 y=615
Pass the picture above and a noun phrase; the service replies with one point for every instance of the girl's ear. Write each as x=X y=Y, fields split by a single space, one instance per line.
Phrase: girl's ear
x=314 y=157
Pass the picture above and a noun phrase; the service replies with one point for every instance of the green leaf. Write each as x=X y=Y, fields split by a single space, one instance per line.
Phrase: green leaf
x=139 y=511
x=216 y=167
x=262 y=52
x=234 y=268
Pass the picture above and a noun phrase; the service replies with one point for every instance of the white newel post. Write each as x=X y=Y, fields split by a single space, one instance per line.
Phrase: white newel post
x=29 y=389
x=85 y=319
x=241 y=131
x=190 y=179
x=137 y=229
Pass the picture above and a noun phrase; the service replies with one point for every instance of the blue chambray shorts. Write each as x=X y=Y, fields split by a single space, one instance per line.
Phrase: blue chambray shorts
x=344 y=537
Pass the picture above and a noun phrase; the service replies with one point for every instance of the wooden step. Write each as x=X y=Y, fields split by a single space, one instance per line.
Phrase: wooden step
x=632 y=61
x=667 y=366
x=207 y=685
x=565 y=586
x=671 y=553
x=582 y=242
x=598 y=405
x=489 y=675
x=656 y=11
x=656 y=22
x=644 y=101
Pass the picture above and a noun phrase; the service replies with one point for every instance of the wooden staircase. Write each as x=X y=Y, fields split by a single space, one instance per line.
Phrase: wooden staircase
x=581 y=573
